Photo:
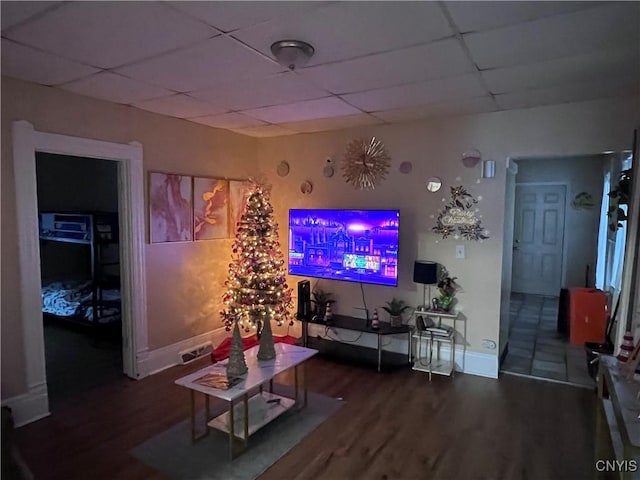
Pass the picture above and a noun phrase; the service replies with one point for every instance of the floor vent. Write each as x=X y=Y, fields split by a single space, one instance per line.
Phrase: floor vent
x=188 y=356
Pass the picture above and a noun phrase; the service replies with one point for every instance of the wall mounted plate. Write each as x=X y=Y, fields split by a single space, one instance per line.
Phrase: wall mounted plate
x=328 y=171
x=434 y=184
x=471 y=158
x=406 y=167
x=306 y=187
x=283 y=169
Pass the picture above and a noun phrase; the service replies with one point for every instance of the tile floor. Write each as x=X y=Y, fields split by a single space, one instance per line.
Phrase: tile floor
x=536 y=348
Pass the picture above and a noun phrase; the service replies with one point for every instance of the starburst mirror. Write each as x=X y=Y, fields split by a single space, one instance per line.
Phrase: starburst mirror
x=365 y=163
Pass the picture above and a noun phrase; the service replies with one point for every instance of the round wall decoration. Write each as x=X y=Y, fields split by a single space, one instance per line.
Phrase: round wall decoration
x=327 y=171
x=433 y=184
x=283 y=169
x=405 y=167
x=365 y=163
x=306 y=187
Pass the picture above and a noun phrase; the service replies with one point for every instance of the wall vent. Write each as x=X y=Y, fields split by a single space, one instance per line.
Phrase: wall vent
x=188 y=356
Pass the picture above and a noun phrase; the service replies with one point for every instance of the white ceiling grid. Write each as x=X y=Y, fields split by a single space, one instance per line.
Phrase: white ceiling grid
x=375 y=62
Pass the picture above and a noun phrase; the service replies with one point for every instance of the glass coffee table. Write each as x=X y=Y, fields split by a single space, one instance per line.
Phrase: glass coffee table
x=251 y=401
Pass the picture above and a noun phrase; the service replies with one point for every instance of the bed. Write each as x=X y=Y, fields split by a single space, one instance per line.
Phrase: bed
x=94 y=298
x=74 y=299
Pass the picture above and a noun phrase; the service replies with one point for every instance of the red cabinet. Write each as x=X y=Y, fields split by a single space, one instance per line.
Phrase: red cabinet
x=587 y=315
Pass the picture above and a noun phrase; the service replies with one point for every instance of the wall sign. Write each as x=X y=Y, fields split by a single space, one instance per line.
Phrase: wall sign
x=459 y=217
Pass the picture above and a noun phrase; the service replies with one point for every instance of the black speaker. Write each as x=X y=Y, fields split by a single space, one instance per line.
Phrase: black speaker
x=304 y=300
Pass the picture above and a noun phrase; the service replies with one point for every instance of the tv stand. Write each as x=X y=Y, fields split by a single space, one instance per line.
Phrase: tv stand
x=361 y=325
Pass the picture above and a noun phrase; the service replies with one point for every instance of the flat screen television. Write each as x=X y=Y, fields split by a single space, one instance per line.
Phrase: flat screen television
x=350 y=245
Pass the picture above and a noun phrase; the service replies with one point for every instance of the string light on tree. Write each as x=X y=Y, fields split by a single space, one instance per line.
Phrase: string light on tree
x=257 y=290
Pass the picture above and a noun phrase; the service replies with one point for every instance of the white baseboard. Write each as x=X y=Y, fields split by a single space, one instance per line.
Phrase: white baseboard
x=160 y=359
x=29 y=407
x=481 y=364
x=473 y=363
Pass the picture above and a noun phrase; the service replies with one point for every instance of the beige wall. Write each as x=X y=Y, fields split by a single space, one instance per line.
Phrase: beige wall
x=435 y=148
x=184 y=280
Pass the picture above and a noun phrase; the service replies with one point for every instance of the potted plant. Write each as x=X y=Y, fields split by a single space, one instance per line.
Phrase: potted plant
x=447 y=287
x=619 y=196
x=321 y=299
x=395 y=308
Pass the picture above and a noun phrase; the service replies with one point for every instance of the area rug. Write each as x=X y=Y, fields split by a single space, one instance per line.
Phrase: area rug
x=172 y=453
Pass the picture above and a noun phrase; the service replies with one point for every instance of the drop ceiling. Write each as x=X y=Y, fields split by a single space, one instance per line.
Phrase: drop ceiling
x=375 y=62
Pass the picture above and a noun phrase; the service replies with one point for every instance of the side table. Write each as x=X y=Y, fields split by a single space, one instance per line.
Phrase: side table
x=434 y=336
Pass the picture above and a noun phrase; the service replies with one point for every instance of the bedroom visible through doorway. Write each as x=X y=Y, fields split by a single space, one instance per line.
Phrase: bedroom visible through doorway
x=80 y=272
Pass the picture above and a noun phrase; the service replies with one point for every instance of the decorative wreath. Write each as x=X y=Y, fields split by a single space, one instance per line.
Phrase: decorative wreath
x=365 y=163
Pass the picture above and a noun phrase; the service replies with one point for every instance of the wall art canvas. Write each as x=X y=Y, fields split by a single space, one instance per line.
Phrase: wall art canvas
x=238 y=193
x=210 y=208
x=170 y=209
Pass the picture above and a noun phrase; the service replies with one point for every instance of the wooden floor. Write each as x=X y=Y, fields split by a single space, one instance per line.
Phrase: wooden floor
x=393 y=426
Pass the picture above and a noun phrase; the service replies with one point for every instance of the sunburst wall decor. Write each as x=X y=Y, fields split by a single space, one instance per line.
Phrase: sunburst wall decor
x=365 y=163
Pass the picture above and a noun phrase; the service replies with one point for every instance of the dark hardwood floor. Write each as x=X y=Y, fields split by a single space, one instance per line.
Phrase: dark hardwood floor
x=393 y=426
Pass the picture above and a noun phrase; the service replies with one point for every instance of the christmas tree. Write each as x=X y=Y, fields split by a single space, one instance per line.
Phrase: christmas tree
x=257 y=290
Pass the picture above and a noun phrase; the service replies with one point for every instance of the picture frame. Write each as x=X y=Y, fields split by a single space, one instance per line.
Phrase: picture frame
x=170 y=207
x=210 y=208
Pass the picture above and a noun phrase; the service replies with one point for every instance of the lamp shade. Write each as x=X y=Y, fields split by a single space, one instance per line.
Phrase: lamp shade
x=425 y=272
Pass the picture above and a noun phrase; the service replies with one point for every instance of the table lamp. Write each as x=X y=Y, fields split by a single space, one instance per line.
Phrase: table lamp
x=426 y=273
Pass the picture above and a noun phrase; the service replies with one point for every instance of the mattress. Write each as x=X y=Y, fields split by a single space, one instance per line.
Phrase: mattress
x=74 y=299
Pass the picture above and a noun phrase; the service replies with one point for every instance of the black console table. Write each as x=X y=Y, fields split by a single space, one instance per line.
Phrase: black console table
x=361 y=325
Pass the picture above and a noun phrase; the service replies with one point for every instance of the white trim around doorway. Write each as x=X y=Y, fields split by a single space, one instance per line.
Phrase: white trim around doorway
x=26 y=142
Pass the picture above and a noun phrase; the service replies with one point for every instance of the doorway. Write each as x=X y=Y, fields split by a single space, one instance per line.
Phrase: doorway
x=26 y=142
x=80 y=273
x=555 y=243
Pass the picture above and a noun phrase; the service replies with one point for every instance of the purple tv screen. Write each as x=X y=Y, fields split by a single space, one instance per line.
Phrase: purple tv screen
x=350 y=245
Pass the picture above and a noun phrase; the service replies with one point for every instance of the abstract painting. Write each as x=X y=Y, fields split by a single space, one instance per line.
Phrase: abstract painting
x=170 y=208
x=210 y=208
x=238 y=192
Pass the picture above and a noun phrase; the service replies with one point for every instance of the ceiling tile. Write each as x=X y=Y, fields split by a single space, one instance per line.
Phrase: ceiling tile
x=229 y=16
x=13 y=13
x=602 y=27
x=32 y=65
x=265 y=131
x=604 y=64
x=323 y=124
x=619 y=86
x=472 y=16
x=459 y=107
x=338 y=30
x=465 y=86
x=205 y=65
x=409 y=65
x=179 y=106
x=109 y=34
x=230 y=120
x=287 y=87
x=115 y=88
x=293 y=112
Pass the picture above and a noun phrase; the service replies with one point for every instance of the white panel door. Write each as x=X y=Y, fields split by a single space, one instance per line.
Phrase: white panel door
x=538 y=239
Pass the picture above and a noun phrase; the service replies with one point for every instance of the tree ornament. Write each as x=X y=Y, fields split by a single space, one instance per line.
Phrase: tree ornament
x=236 y=365
x=375 y=322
